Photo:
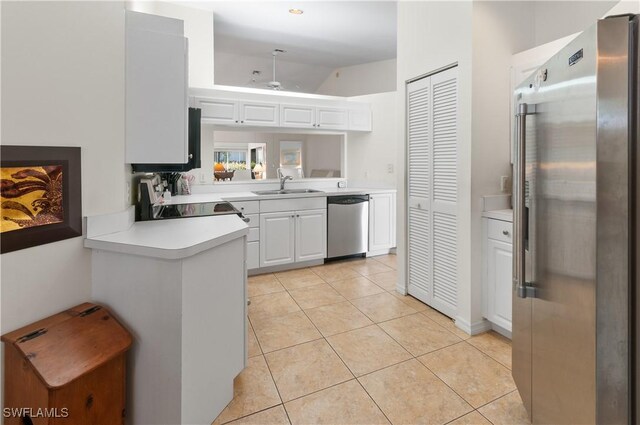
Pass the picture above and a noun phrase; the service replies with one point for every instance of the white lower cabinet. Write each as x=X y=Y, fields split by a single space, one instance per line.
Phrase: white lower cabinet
x=292 y=236
x=277 y=236
x=382 y=222
x=311 y=235
x=253 y=255
x=498 y=275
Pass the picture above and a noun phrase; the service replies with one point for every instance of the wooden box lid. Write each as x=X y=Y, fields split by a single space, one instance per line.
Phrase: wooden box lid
x=67 y=345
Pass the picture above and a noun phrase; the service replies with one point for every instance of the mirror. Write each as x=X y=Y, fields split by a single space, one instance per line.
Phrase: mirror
x=242 y=156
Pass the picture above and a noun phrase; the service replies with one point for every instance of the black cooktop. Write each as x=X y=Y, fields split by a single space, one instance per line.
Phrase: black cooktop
x=193 y=210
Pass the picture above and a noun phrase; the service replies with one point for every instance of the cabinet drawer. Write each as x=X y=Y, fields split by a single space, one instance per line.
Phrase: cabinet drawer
x=500 y=230
x=247 y=207
x=253 y=255
x=254 y=234
x=254 y=220
x=297 y=204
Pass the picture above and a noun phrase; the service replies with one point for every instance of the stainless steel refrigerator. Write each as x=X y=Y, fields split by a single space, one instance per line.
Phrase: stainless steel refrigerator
x=576 y=187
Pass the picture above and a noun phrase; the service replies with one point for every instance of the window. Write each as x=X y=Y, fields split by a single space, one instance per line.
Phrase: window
x=231 y=159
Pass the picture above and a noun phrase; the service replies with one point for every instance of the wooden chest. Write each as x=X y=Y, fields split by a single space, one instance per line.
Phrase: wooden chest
x=67 y=369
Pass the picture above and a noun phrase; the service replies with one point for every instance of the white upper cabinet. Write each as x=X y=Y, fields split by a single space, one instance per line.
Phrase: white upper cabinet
x=236 y=112
x=156 y=90
x=261 y=114
x=300 y=116
x=306 y=116
x=257 y=110
x=332 y=118
x=360 y=119
x=217 y=111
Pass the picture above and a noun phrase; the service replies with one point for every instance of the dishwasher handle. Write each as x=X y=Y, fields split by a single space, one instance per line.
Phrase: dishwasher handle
x=347 y=199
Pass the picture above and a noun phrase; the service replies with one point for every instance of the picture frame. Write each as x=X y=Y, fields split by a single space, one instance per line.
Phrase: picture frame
x=290 y=158
x=40 y=195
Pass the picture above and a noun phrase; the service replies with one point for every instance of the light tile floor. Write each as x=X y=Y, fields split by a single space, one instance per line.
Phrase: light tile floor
x=335 y=344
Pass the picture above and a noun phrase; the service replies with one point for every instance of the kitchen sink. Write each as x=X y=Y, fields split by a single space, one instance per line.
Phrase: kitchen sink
x=285 y=191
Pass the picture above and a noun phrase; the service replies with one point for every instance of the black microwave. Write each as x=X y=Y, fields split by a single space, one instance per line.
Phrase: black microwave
x=194 y=150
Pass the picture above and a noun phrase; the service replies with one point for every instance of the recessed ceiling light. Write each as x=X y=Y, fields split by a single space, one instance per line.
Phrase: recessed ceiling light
x=296 y=11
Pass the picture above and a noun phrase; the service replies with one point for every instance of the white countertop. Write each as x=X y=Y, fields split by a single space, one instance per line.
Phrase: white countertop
x=172 y=239
x=250 y=196
x=504 y=215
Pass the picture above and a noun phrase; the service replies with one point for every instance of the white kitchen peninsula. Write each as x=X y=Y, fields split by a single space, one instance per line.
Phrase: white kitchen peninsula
x=180 y=287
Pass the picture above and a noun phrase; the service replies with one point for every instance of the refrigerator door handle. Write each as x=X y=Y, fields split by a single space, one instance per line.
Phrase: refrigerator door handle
x=522 y=288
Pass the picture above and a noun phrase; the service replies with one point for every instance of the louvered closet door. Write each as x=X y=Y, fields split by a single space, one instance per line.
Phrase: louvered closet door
x=432 y=105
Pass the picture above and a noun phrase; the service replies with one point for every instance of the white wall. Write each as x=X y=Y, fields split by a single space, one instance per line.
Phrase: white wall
x=556 y=19
x=500 y=29
x=369 y=154
x=322 y=152
x=62 y=85
x=198 y=28
x=432 y=35
x=481 y=37
x=232 y=69
x=356 y=80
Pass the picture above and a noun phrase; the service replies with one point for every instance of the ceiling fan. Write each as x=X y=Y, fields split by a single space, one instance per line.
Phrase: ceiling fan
x=274 y=84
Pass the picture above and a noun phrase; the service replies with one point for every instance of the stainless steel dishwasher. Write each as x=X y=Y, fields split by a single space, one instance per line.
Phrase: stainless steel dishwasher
x=348 y=225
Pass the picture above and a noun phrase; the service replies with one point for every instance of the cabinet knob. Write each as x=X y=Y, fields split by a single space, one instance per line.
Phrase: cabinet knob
x=420 y=206
x=241 y=122
x=236 y=121
x=297 y=215
x=505 y=232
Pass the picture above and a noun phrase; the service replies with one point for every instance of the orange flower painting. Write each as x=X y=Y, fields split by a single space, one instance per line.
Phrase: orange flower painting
x=30 y=197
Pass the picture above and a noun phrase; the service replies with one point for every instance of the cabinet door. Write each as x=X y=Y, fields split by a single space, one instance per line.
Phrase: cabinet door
x=218 y=111
x=311 y=235
x=300 y=116
x=156 y=120
x=253 y=255
x=332 y=118
x=277 y=238
x=382 y=223
x=360 y=119
x=259 y=114
x=499 y=284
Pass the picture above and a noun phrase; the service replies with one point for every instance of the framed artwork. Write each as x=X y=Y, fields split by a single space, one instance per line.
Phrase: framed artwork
x=290 y=158
x=40 y=195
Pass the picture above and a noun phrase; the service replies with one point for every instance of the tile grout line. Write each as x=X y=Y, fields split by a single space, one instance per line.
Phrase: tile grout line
x=347 y=366
x=377 y=324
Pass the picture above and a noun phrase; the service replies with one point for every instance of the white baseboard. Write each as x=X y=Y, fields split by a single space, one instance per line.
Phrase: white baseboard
x=285 y=267
x=379 y=252
x=473 y=328
x=401 y=289
x=502 y=331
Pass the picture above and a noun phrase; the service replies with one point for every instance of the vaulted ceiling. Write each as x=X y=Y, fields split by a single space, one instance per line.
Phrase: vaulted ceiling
x=328 y=35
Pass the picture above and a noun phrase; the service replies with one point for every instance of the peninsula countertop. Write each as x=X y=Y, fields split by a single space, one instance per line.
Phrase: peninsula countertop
x=171 y=239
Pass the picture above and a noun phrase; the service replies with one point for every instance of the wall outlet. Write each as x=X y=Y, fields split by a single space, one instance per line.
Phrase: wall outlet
x=342 y=184
x=505 y=184
x=390 y=168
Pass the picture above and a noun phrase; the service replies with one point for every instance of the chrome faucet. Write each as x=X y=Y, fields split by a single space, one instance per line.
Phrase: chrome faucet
x=283 y=180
